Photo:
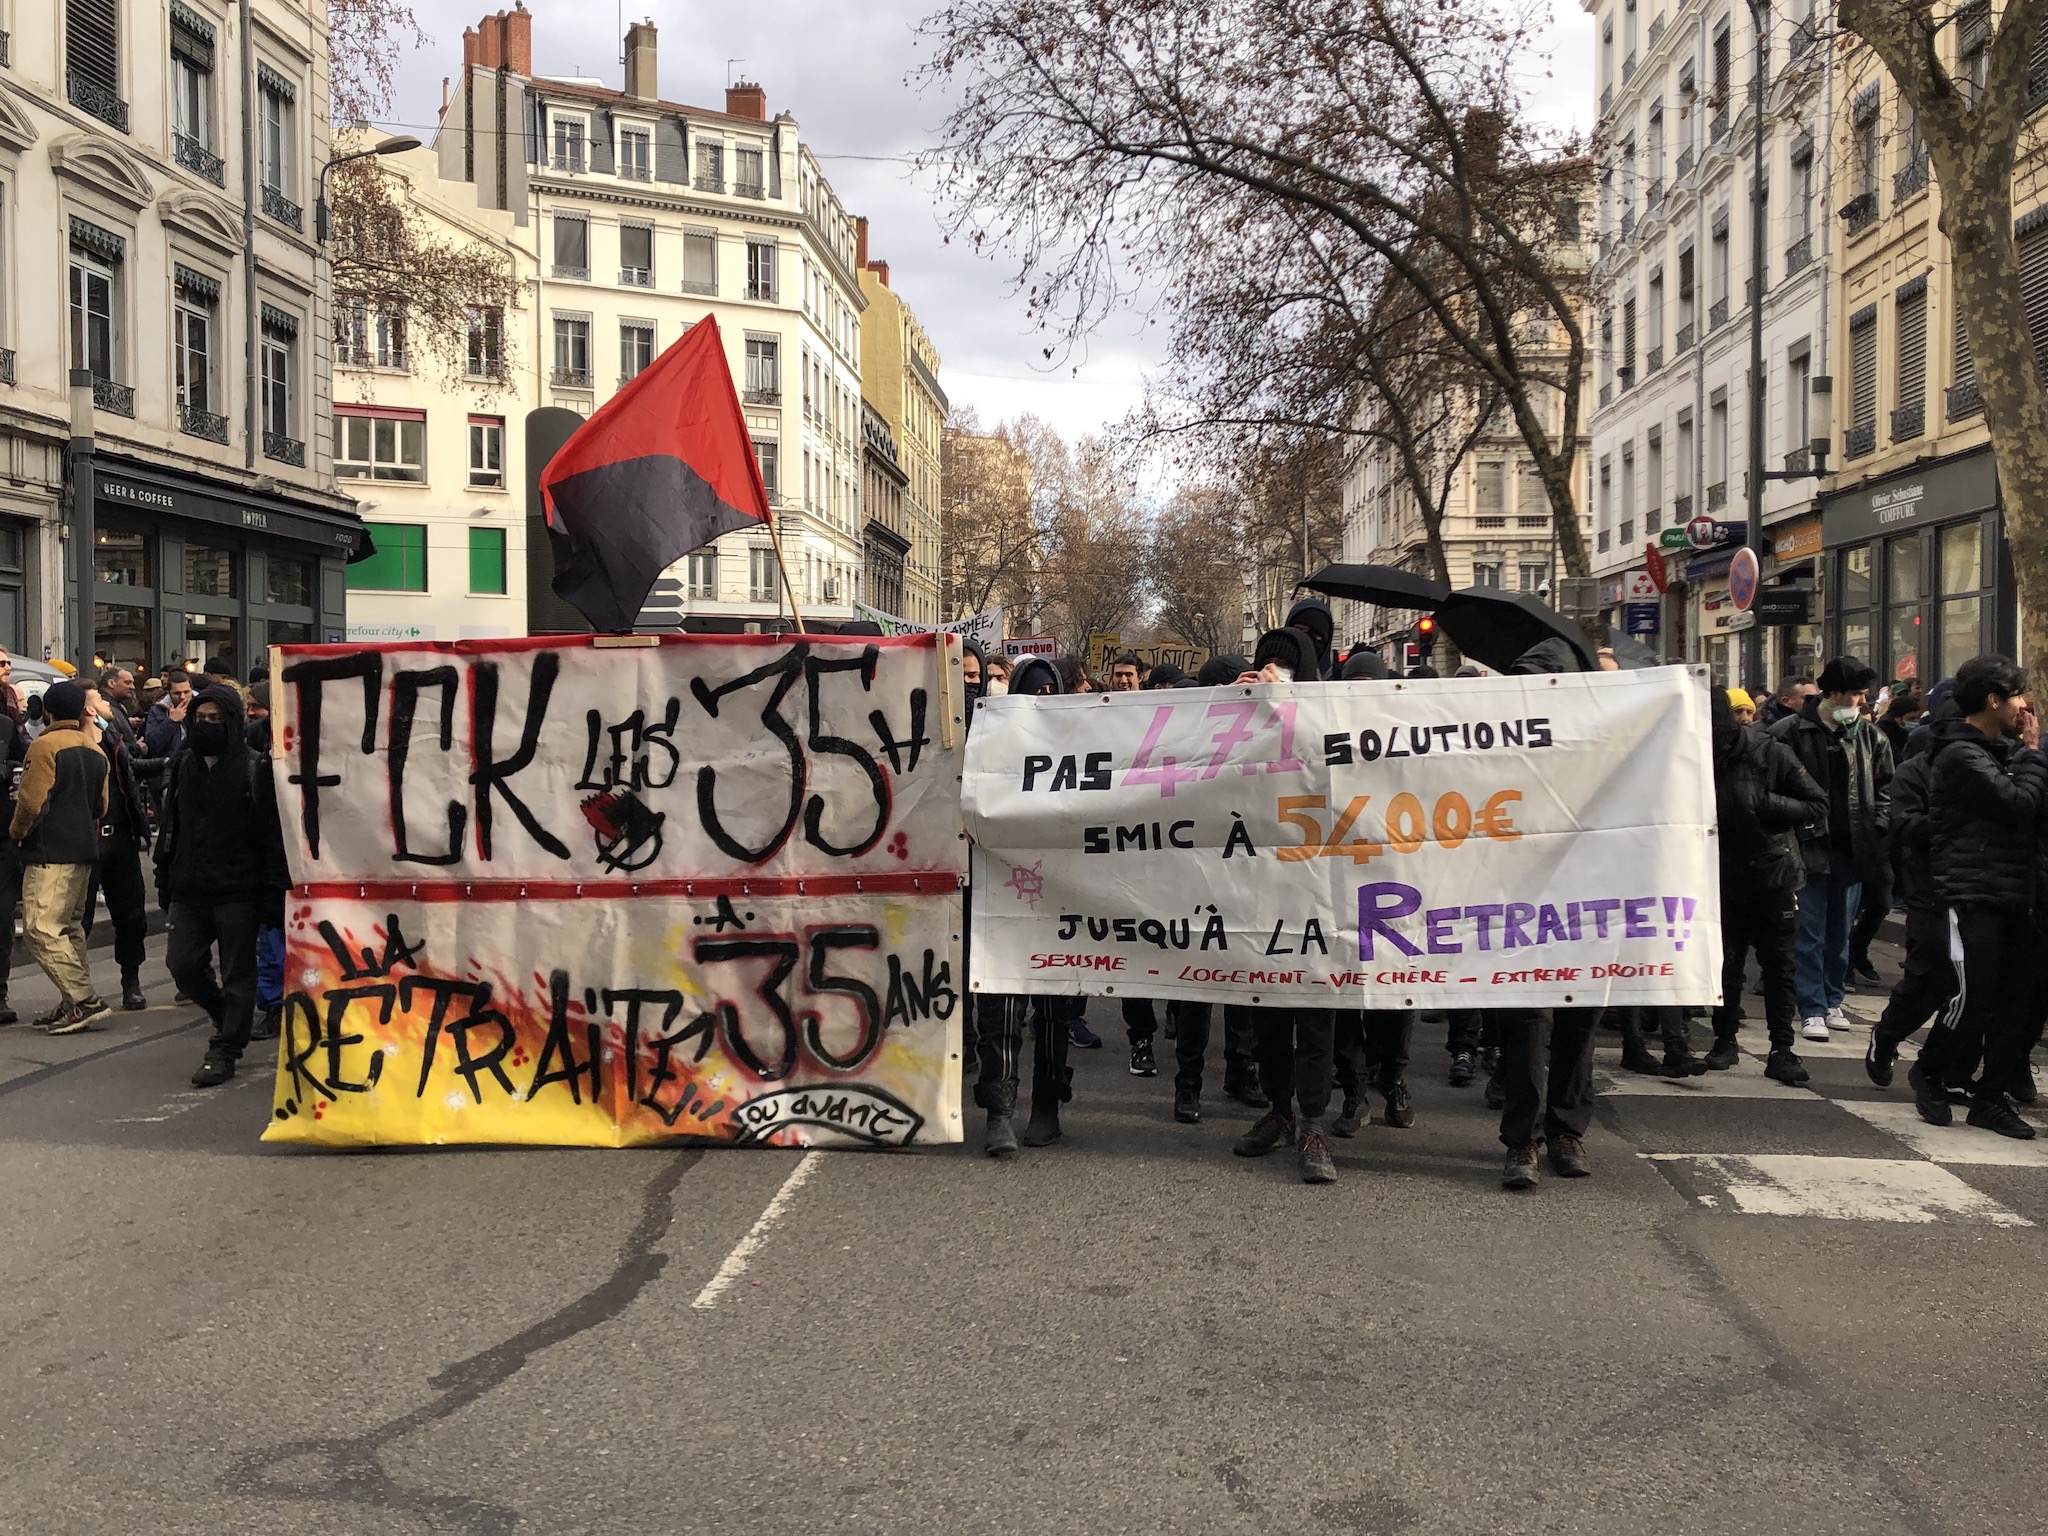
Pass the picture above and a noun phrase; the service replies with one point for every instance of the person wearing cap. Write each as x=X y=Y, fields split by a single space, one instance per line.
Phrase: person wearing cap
x=56 y=828
x=1743 y=705
x=124 y=834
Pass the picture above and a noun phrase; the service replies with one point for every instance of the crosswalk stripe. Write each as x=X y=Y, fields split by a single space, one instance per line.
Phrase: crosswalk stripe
x=1909 y=1190
x=1958 y=1143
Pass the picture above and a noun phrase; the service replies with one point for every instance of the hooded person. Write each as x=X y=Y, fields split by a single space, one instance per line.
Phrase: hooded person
x=1165 y=675
x=1365 y=667
x=220 y=871
x=1311 y=616
x=1035 y=676
x=973 y=674
x=1221 y=671
x=1290 y=650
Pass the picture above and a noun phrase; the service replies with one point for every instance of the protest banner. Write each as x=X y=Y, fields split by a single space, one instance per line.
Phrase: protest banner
x=1102 y=645
x=606 y=891
x=1031 y=645
x=1449 y=843
x=985 y=627
x=1184 y=654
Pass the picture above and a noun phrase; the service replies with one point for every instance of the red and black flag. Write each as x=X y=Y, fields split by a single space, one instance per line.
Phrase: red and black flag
x=664 y=466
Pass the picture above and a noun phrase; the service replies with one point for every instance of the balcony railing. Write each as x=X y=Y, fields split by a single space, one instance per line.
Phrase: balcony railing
x=569 y=378
x=1860 y=442
x=749 y=189
x=6 y=365
x=1628 y=222
x=1656 y=30
x=567 y=164
x=1718 y=129
x=6 y=49
x=281 y=208
x=631 y=172
x=286 y=450
x=1799 y=256
x=199 y=160
x=1606 y=99
x=636 y=277
x=1963 y=400
x=1860 y=212
x=1799 y=461
x=707 y=183
x=89 y=96
x=764 y=397
x=1803 y=36
x=1627 y=533
x=1628 y=69
x=194 y=422
x=1717 y=315
x=1681 y=510
x=1909 y=421
x=1653 y=198
x=1652 y=361
x=1625 y=378
x=579 y=274
x=109 y=396
x=1606 y=396
x=1910 y=178
x=1602 y=541
x=1652 y=521
x=1684 y=163
x=1717 y=495
x=1685 y=339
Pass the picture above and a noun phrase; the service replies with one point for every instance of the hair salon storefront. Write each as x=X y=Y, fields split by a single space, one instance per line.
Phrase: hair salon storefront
x=187 y=570
x=1918 y=576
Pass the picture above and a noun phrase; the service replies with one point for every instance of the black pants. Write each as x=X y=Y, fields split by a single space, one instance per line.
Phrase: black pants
x=10 y=898
x=1669 y=1023
x=1002 y=1024
x=1141 y=1022
x=1191 y=1046
x=1873 y=907
x=118 y=876
x=1546 y=1064
x=1992 y=949
x=1766 y=921
x=1371 y=1048
x=1467 y=1031
x=195 y=930
x=1926 y=982
x=1297 y=1048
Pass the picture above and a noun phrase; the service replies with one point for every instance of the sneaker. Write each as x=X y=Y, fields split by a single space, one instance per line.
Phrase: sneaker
x=44 y=1020
x=1878 y=1059
x=1679 y=1061
x=1083 y=1036
x=1461 y=1070
x=1400 y=1108
x=80 y=1017
x=1250 y=1095
x=1724 y=1054
x=1786 y=1068
x=1187 y=1106
x=1996 y=1113
x=1863 y=970
x=1142 y=1064
x=1519 y=1172
x=1353 y=1116
x=217 y=1069
x=1489 y=1060
x=1815 y=1029
x=1929 y=1097
x=1312 y=1155
x=1568 y=1157
x=1267 y=1132
x=1837 y=1019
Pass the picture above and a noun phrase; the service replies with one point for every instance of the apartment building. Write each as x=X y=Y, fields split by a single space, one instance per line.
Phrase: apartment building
x=158 y=168
x=1679 y=115
x=900 y=372
x=646 y=216
x=430 y=438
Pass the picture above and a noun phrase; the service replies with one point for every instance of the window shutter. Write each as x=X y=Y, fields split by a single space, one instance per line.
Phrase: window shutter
x=700 y=261
x=636 y=247
x=92 y=32
x=1628 y=334
x=1912 y=344
x=192 y=36
x=1966 y=365
x=1863 y=367
x=2033 y=254
x=572 y=243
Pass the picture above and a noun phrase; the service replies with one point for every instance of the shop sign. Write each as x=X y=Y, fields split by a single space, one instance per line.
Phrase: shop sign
x=1638 y=587
x=120 y=492
x=1931 y=493
x=1797 y=540
x=1641 y=618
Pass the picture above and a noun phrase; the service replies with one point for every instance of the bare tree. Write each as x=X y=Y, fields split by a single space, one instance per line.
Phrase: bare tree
x=1384 y=142
x=986 y=528
x=1195 y=565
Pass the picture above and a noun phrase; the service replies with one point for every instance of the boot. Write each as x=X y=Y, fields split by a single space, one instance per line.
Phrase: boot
x=1636 y=1056
x=131 y=992
x=1724 y=1054
x=1000 y=1099
x=1679 y=1061
x=1051 y=1086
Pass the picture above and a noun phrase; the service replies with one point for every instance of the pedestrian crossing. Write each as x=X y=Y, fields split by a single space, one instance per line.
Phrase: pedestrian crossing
x=1908 y=1172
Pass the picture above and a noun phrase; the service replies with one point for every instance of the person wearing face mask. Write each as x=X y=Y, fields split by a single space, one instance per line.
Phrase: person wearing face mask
x=1852 y=761
x=997 y=671
x=220 y=871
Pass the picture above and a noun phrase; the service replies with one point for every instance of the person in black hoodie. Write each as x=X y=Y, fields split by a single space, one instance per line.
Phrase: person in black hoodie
x=220 y=871
x=1988 y=786
x=1762 y=797
x=1927 y=980
x=1311 y=616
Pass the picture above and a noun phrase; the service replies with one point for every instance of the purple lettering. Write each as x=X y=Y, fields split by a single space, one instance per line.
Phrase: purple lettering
x=1378 y=906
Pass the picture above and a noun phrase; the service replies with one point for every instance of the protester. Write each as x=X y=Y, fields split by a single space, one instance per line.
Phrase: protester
x=1126 y=673
x=55 y=826
x=13 y=745
x=124 y=834
x=1927 y=978
x=1743 y=705
x=1939 y=707
x=1852 y=762
x=1311 y=616
x=1790 y=699
x=998 y=684
x=220 y=872
x=270 y=936
x=1164 y=675
x=1220 y=670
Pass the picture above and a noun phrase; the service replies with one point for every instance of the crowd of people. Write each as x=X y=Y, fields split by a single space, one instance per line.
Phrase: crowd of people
x=103 y=773
x=1835 y=800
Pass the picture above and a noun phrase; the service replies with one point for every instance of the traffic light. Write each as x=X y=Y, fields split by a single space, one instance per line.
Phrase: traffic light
x=1425 y=635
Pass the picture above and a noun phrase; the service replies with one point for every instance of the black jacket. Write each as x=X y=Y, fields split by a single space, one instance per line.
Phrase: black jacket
x=1869 y=788
x=218 y=837
x=1986 y=798
x=1911 y=827
x=1762 y=796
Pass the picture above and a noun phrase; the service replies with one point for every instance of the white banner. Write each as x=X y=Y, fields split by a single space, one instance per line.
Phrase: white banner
x=1452 y=843
x=985 y=626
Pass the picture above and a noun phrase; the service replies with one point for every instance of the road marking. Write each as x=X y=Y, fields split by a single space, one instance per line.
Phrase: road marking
x=744 y=1250
x=1968 y=1145
x=1833 y=1188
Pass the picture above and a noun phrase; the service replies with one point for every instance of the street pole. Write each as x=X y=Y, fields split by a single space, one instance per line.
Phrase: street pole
x=1753 y=637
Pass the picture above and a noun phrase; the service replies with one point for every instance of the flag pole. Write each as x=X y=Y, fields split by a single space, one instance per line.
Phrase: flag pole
x=789 y=590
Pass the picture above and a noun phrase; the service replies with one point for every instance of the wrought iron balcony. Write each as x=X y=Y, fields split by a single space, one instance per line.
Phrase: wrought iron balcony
x=1628 y=222
x=286 y=450
x=1717 y=495
x=1910 y=178
x=1964 y=401
x=1652 y=361
x=6 y=365
x=194 y=422
x=199 y=160
x=764 y=397
x=1606 y=100
x=635 y=277
x=1652 y=521
x=1681 y=510
x=90 y=96
x=281 y=208
x=1684 y=163
x=1625 y=377
x=1656 y=30
x=749 y=189
x=1685 y=339
x=1800 y=256
x=1909 y=421
x=1799 y=461
x=1718 y=129
x=1627 y=533
x=567 y=164
x=1602 y=541
x=6 y=49
x=1860 y=212
x=1803 y=36
x=1628 y=69
x=580 y=274
x=1717 y=315
x=635 y=173
x=569 y=378
x=109 y=396
x=1654 y=198
x=1606 y=396
x=1860 y=442
x=705 y=183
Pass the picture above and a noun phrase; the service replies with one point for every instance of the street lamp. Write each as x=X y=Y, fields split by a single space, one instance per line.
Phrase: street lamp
x=396 y=145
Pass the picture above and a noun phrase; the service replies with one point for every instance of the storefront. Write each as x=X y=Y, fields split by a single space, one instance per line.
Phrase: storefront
x=1918 y=579
x=1793 y=650
x=187 y=570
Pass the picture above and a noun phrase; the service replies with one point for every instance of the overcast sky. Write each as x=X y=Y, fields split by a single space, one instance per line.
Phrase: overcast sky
x=840 y=70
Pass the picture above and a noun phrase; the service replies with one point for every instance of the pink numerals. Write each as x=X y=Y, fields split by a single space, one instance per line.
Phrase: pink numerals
x=1237 y=730
x=1168 y=774
x=1239 y=713
x=1283 y=716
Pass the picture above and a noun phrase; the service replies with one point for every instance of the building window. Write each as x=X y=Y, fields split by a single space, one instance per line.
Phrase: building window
x=636 y=348
x=747 y=180
x=1486 y=571
x=763 y=583
x=279 y=342
x=764 y=370
x=92 y=60
x=192 y=94
x=400 y=563
x=636 y=255
x=1909 y=349
x=274 y=158
x=380 y=445
x=484 y=352
x=487 y=561
x=700 y=575
x=1490 y=493
x=700 y=261
x=1535 y=575
x=635 y=154
x=769 y=456
x=2031 y=240
x=1864 y=147
x=1799 y=404
x=569 y=135
x=761 y=270
x=1862 y=434
x=487 y=452
x=96 y=259
x=572 y=246
x=1973 y=36
x=710 y=167
x=195 y=297
x=1717 y=450
x=572 y=351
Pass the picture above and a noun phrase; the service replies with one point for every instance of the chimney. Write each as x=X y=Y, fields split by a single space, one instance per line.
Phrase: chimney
x=517 y=34
x=881 y=270
x=641 y=83
x=860 y=242
x=470 y=53
x=746 y=99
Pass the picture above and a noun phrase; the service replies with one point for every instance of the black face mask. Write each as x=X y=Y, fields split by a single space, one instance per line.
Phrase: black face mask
x=209 y=738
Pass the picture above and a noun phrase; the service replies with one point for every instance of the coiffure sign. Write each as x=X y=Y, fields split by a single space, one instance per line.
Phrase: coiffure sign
x=1928 y=493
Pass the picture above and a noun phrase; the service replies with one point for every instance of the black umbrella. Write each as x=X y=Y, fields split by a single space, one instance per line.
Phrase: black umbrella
x=1495 y=627
x=1631 y=655
x=1386 y=585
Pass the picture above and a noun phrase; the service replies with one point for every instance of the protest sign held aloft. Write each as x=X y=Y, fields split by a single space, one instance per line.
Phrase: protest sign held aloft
x=1447 y=843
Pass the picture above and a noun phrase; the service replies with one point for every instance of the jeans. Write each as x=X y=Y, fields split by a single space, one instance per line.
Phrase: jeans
x=1191 y=1046
x=52 y=903
x=270 y=968
x=1766 y=921
x=1296 y=1057
x=1546 y=1064
x=195 y=929
x=1826 y=909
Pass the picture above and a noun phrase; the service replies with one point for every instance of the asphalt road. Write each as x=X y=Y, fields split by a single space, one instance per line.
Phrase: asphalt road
x=1770 y=1310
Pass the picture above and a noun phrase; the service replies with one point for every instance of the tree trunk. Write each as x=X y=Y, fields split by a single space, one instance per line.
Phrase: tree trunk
x=1564 y=515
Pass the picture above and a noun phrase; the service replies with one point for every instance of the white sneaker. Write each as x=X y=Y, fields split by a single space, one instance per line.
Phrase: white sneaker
x=1815 y=1028
x=1837 y=1019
